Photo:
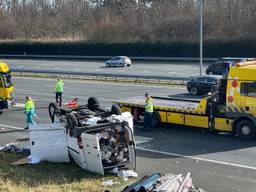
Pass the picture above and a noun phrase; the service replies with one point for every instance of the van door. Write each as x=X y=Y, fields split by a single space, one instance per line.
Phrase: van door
x=48 y=143
x=91 y=146
x=131 y=147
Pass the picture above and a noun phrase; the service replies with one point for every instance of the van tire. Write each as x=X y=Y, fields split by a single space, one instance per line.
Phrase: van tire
x=116 y=110
x=71 y=123
x=245 y=130
x=53 y=109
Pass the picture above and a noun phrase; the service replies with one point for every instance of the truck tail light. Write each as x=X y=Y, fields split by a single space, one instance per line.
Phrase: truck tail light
x=79 y=142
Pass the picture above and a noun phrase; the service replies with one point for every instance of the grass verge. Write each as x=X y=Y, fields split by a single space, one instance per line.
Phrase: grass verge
x=52 y=177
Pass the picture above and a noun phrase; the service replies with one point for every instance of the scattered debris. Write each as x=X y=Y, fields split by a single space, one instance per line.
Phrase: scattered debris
x=127 y=173
x=14 y=148
x=166 y=183
x=109 y=183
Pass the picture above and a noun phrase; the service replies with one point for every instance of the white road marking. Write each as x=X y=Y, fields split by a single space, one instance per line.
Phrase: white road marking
x=21 y=105
x=172 y=73
x=11 y=127
x=26 y=90
x=198 y=158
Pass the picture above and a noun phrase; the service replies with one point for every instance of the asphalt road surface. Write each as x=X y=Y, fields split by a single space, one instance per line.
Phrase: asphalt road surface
x=217 y=162
x=171 y=69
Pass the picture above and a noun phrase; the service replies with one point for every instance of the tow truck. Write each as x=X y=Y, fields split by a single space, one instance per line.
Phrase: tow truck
x=6 y=87
x=229 y=107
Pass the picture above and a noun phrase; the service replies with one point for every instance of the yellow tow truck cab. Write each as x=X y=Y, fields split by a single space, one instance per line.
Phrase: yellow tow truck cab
x=230 y=107
x=6 y=87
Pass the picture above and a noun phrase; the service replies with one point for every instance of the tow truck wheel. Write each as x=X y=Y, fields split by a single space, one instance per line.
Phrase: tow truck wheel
x=245 y=130
x=193 y=91
x=54 y=110
x=156 y=119
x=115 y=109
x=71 y=123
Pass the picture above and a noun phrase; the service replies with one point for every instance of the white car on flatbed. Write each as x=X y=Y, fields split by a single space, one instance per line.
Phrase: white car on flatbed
x=96 y=141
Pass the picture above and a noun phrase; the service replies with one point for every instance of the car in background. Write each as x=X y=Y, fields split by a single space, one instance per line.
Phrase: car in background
x=119 y=61
x=203 y=84
x=222 y=65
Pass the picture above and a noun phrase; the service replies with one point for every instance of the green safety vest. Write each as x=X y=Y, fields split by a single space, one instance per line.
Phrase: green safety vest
x=59 y=87
x=29 y=105
x=149 y=106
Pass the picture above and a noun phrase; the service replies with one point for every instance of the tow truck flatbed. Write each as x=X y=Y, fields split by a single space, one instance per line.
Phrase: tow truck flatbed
x=166 y=103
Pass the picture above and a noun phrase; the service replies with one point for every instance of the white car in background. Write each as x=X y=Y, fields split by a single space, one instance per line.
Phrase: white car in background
x=119 y=61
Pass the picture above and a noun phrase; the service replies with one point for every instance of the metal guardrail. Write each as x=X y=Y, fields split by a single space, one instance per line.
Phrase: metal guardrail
x=80 y=57
x=102 y=75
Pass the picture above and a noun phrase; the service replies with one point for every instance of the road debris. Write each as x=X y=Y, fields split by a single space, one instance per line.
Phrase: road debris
x=127 y=173
x=109 y=183
x=14 y=148
x=167 y=183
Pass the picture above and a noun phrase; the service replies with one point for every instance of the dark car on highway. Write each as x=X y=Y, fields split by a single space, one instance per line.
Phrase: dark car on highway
x=203 y=84
x=222 y=65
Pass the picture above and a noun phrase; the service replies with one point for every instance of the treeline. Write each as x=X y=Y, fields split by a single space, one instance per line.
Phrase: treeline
x=127 y=21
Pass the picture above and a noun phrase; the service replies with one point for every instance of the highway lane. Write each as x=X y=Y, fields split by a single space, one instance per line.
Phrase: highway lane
x=225 y=163
x=138 y=68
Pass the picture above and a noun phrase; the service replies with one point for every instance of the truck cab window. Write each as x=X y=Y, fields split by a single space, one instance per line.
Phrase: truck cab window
x=248 y=89
x=252 y=90
x=7 y=80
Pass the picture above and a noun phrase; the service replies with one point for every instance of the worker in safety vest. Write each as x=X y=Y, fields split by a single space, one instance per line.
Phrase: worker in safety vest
x=29 y=111
x=73 y=103
x=148 y=117
x=58 y=90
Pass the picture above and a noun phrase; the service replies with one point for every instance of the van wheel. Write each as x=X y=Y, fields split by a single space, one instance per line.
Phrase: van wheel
x=156 y=119
x=116 y=110
x=193 y=91
x=93 y=103
x=122 y=65
x=71 y=123
x=245 y=130
x=53 y=110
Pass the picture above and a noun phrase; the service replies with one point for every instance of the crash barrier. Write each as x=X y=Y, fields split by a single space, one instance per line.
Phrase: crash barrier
x=106 y=76
x=104 y=58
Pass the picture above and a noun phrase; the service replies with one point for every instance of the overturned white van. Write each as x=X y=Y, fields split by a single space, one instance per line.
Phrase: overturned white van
x=100 y=144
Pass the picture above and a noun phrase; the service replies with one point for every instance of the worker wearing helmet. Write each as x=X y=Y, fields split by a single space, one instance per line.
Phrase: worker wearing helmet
x=29 y=111
x=148 y=117
x=58 y=90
